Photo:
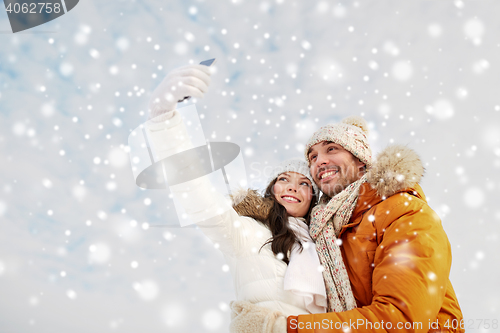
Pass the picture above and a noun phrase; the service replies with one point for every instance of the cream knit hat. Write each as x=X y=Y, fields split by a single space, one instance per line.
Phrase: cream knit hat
x=294 y=165
x=351 y=133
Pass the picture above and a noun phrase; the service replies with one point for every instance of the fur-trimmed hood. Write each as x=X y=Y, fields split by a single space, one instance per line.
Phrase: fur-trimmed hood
x=396 y=168
x=249 y=202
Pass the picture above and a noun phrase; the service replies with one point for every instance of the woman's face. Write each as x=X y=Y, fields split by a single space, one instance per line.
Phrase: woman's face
x=294 y=191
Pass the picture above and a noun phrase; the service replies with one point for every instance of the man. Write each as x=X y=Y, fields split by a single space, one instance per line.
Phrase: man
x=385 y=255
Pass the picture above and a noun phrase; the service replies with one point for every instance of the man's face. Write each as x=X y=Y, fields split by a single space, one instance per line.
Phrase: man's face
x=333 y=168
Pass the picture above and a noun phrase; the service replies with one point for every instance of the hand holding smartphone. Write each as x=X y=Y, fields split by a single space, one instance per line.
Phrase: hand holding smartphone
x=208 y=63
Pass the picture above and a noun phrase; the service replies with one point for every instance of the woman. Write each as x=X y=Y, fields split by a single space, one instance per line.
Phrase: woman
x=265 y=239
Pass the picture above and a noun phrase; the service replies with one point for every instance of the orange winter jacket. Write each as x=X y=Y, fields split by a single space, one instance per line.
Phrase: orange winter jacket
x=398 y=259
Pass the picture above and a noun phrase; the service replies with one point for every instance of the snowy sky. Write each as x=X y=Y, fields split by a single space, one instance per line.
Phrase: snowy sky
x=83 y=249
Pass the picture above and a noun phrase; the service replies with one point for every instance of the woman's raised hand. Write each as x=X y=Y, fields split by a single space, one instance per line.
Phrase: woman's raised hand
x=191 y=80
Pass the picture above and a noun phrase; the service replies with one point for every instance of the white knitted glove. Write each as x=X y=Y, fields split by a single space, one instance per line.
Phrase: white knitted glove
x=191 y=80
x=249 y=318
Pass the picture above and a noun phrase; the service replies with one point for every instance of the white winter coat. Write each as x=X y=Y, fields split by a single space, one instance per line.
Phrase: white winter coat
x=258 y=277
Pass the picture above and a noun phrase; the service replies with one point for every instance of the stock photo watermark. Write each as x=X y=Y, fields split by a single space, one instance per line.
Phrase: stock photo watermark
x=27 y=14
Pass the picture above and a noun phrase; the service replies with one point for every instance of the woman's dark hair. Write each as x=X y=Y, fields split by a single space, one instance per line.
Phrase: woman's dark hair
x=283 y=238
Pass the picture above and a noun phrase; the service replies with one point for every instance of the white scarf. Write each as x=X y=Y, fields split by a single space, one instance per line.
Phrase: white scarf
x=303 y=276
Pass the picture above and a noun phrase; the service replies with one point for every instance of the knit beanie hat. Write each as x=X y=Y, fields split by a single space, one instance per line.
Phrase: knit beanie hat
x=351 y=133
x=293 y=165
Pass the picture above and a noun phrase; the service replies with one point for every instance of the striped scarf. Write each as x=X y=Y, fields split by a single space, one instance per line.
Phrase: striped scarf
x=328 y=218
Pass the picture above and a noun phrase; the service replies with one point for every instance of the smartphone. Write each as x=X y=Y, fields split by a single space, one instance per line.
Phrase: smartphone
x=208 y=63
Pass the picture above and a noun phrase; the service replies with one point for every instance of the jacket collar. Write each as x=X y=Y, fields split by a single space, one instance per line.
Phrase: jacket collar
x=368 y=197
x=397 y=169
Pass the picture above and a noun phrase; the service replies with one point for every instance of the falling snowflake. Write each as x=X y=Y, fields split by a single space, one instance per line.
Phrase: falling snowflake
x=474 y=197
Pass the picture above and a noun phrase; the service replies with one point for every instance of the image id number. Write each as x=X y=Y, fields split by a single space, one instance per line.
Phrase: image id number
x=32 y=8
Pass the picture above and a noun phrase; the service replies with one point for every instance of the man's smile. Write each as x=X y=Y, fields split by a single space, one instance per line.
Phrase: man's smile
x=328 y=174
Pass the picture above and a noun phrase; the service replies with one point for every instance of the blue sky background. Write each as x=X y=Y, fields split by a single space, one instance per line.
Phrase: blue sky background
x=83 y=249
